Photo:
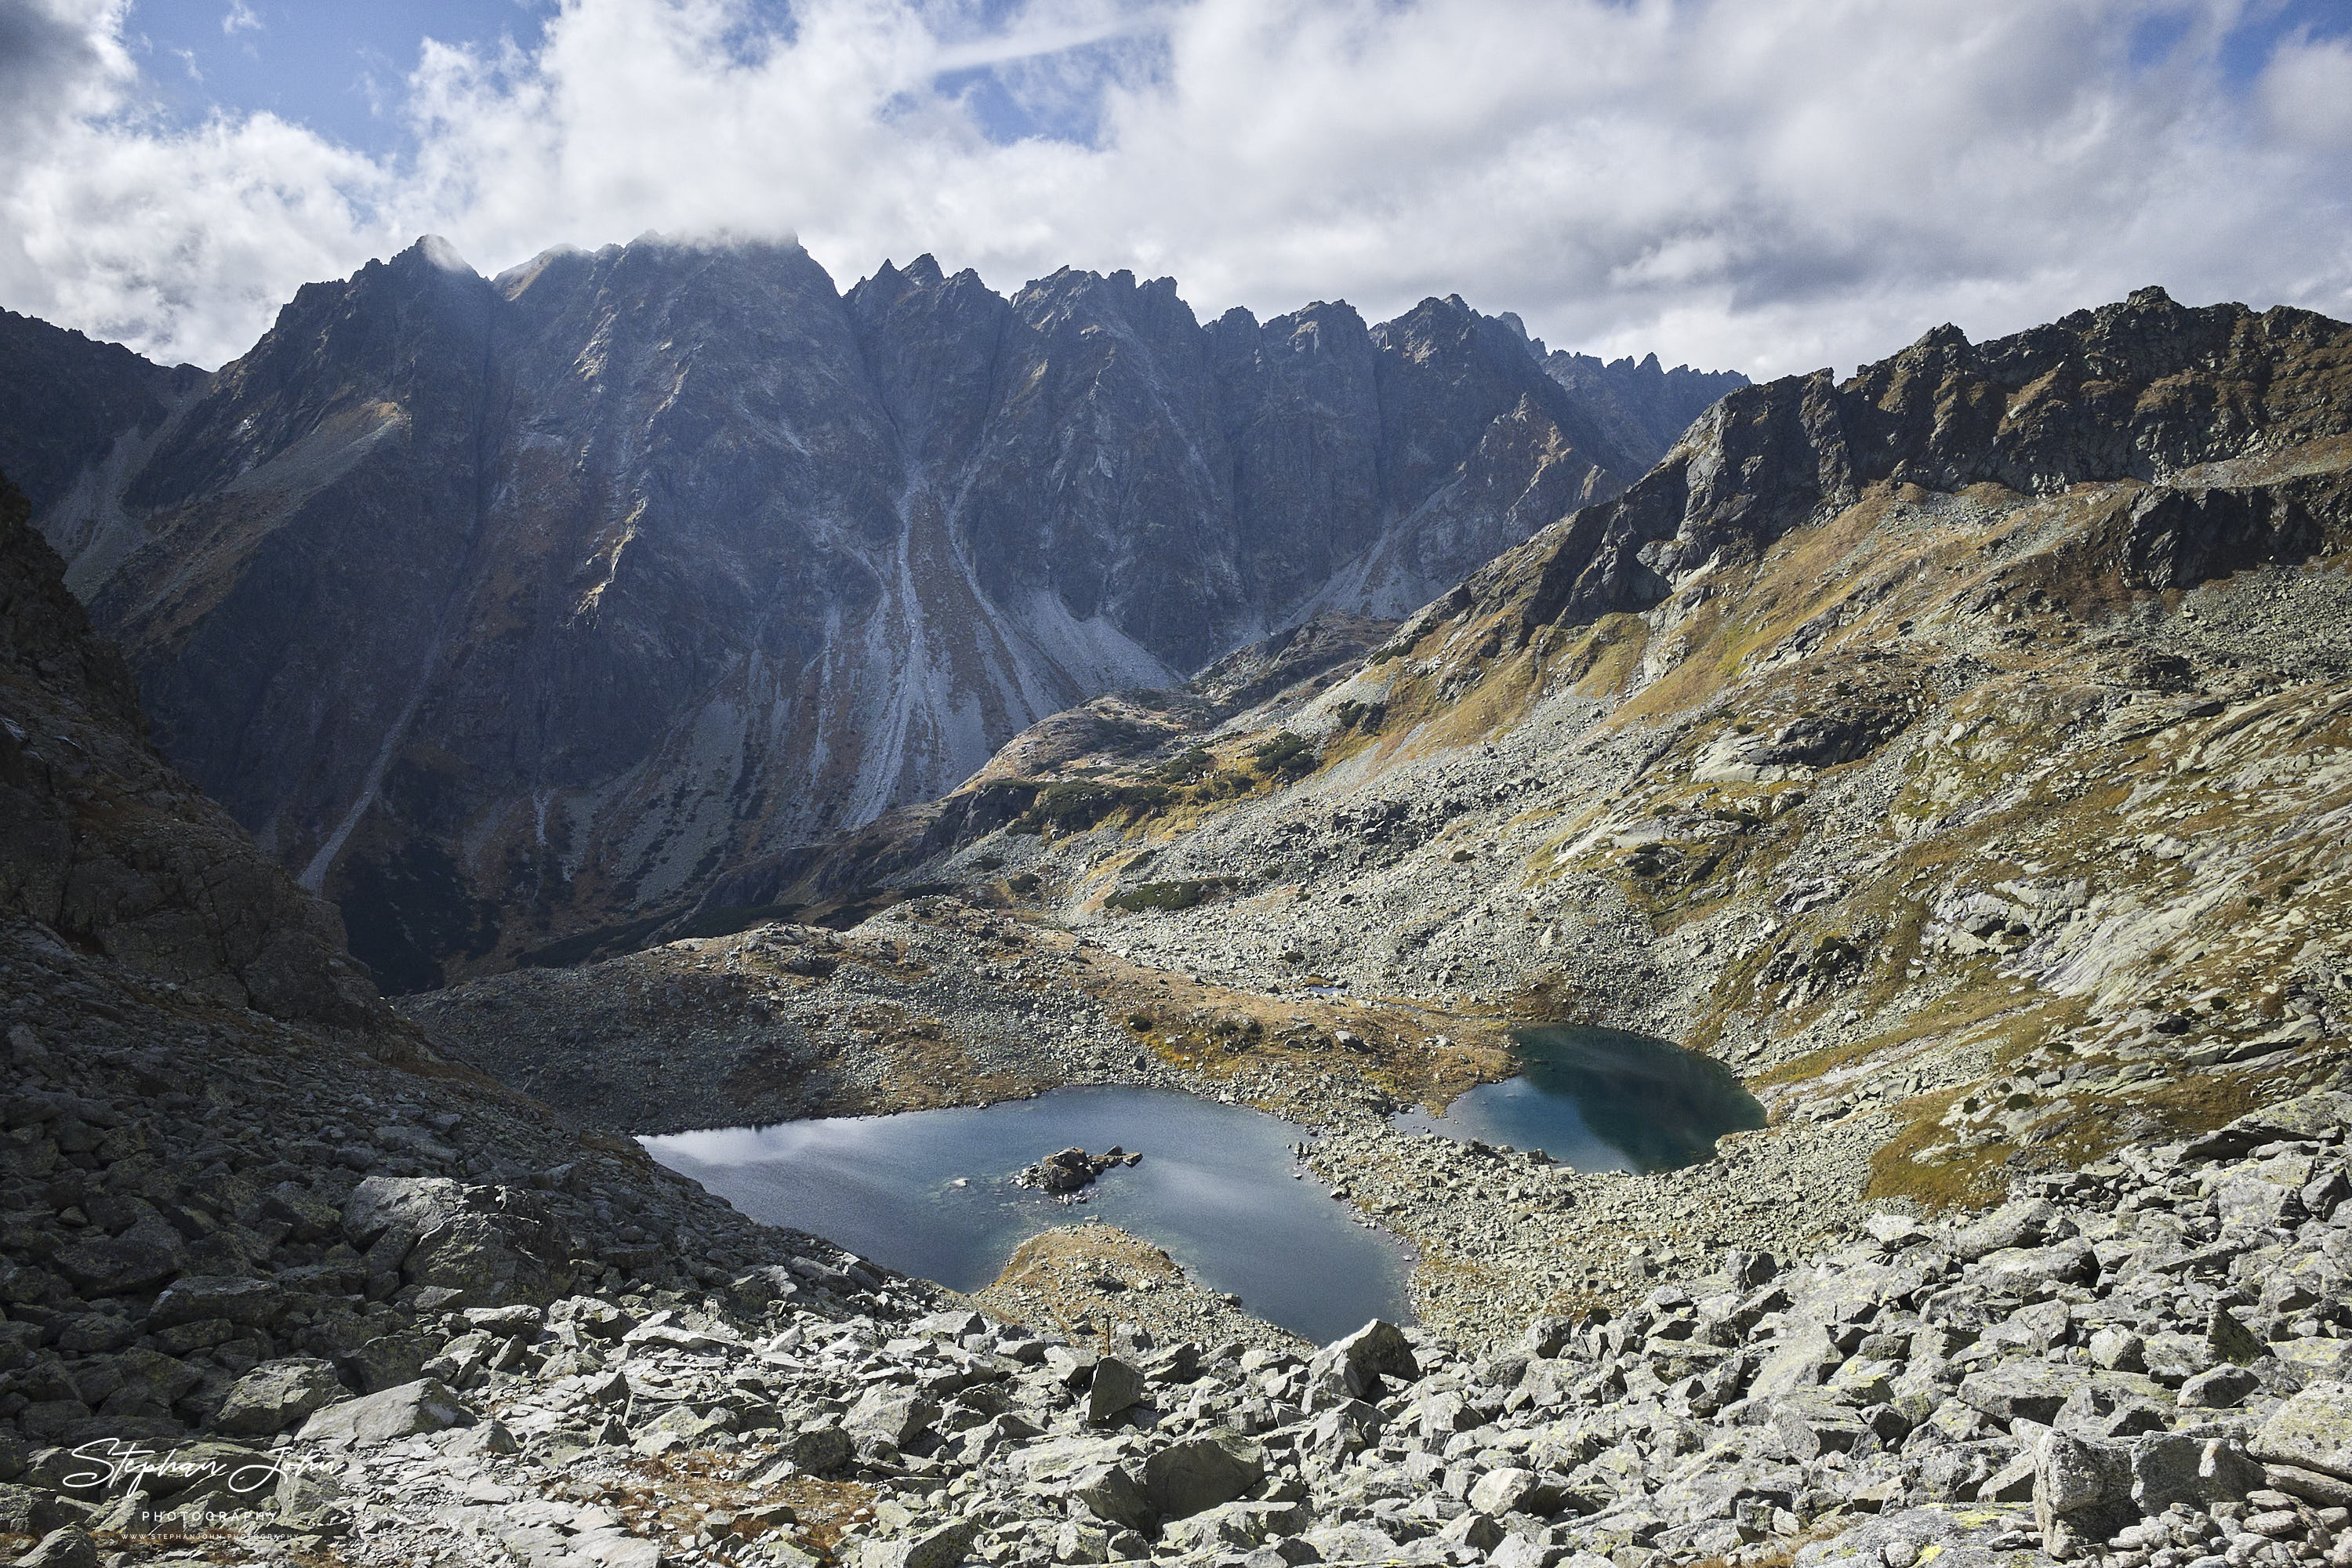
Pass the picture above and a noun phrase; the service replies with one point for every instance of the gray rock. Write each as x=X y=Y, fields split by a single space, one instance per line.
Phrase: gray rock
x=411 y=1203
x=2086 y=1489
x=939 y=1547
x=1529 y=1552
x=2313 y=1115
x=425 y=1405
x=1115 y=1387
x=2231 y=1340
x=1502 y=1491
x=389 y=1360
x=1354 y=1366
x=2014 y=1224
x=1115 y=1495
x=1350 y=1543
x=892 y=1413
x=38 y=1510
x=140 y=1259
x=2315 y=1488
x=65 y=1548
x=249 y=1304
x=2021 y=1271
x=2311 y=1431
x=2032 y=1390
x=499 y=1250
x=820 y=1451
x=276 y=1395
x=1200 y=1473
x=1231 y=1527
x=2219 y=1389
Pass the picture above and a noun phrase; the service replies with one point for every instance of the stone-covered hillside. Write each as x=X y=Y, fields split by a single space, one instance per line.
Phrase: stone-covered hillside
x=1959 y=752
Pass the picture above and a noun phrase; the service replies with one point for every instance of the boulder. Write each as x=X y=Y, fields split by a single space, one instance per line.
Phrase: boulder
x=2030 y=1390
x=276 y=1395
x=248 y=1303
x=2219 y=1389
x=65 y=1548
x=493 y=1247
x=38 y=1510
x=2312 y=1431
x=425 y=1405
x=2028 y=1270
x=389 y=1360
x=941 y=1547
x=887 y=1411
x=1200 y=1473
x=213 y=1476
x=1502 y=1491
x=820 y=1451
x=2022 y=1223
x=2086 y=1489
x=2312 y=1116
x=1115 y=1495
x=1350 y=1543
x=1233 y=1526
x=1115 y=1387
x=140 y=1259
x=1352 y=1367
x=411 y=1203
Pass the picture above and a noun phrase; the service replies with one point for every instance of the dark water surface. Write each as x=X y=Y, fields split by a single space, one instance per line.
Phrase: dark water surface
x=1215 y=1189
x=1600 y=1100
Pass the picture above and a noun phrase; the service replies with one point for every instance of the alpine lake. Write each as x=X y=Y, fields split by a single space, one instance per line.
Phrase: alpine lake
x=930 y=1192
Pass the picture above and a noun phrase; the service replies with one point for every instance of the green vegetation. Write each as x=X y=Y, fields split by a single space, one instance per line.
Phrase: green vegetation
x=1283 y=755
x=1074 y=805
x=1189 y=766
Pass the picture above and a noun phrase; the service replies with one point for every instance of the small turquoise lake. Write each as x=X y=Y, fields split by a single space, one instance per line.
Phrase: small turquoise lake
x=1602 y=1100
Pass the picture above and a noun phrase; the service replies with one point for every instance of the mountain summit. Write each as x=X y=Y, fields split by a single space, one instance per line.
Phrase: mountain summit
x=497 y=608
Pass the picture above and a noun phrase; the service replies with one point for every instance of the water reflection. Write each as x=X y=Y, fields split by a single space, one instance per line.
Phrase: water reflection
x=1602 y=1100
x=1215 y=1189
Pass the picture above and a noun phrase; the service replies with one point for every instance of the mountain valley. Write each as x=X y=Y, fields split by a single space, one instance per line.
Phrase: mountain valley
x=1959 y=753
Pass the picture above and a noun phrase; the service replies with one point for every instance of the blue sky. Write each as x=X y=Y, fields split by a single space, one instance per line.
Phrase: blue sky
x=1770 y=184
x=338 y=66
x=341 y=66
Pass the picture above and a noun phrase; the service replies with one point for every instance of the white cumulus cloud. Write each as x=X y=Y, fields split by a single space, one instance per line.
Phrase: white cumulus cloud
x=1774 y=184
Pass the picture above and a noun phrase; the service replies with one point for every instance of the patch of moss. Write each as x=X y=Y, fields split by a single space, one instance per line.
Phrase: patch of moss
x=1283 y=755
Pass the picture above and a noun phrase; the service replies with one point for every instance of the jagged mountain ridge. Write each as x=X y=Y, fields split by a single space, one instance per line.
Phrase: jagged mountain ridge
x=2136 y=394
x=497 y=608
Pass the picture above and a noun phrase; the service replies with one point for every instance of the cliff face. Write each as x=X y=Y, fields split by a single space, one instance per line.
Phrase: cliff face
x=2145 y=391
x=499 y=609
x=106 y=846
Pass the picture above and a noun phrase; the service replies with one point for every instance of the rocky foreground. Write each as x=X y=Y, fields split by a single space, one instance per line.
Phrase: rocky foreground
x=2141 y=1365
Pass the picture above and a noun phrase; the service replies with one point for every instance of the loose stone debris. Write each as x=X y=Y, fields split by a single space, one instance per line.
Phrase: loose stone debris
x=2143 y=1364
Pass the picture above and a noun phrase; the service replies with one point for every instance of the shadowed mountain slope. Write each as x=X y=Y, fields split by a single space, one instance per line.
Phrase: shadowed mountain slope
x=499 y=609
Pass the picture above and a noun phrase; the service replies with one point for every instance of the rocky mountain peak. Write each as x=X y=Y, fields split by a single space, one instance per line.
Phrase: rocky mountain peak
x=498 y=607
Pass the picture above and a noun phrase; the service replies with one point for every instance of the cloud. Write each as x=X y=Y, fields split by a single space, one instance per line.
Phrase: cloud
x=1774 y=184
x=239 y=18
